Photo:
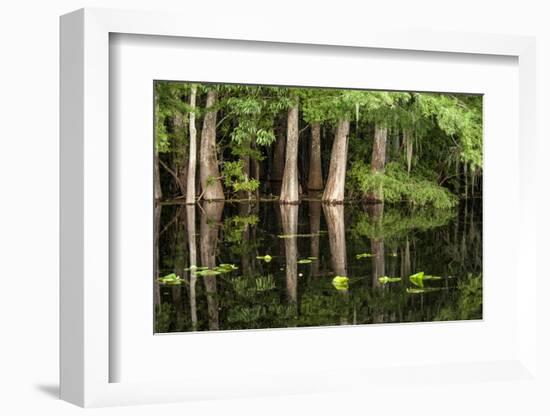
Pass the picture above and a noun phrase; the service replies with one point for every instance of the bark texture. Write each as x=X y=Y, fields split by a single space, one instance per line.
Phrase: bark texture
x=191 y=237
x=334 y=216
x=278 y=159
x=336 y=181
x=192 y=166
x=378 y=161
x=315 y=177
x=289 y=188
x=289 y=219
x=209 y=172
x=314 y=228
x=211 y=216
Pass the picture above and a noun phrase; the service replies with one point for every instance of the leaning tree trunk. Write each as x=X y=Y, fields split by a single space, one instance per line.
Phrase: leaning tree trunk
x=334 y=189
x=209 y=173
x=289 y=188
x=192 y=167
x=378 y=161
x=315 y=177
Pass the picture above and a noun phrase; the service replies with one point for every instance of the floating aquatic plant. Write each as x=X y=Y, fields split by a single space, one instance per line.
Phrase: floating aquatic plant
x=424 y=290
x=304 y=261
x=340 y=283
x=363 y=255
x=386 y=279
x=297 y=235
x=417 y=279
x=170 y=279
x=208 y=272
x=267 y=258
x=226 y=268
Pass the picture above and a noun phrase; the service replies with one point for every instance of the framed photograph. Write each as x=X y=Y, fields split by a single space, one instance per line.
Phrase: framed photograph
x=286 y=213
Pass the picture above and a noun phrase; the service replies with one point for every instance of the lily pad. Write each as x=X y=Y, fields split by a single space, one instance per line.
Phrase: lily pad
x=393 y=254
x=386 y=279
x=429 y=277
x=415 y=290
x=418 y=290
x=340 y=283
x=363 y=255
x=417 y=279
x=208 y=273
x=170 y=279
x=304 y=261
x=267 y=258
x=296 y=235
x=225 y=268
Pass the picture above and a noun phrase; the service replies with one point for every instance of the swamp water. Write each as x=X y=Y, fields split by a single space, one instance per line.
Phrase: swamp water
x=250 y=265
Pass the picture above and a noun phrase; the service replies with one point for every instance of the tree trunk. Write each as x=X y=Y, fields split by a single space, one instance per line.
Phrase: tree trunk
x=182 y=164
x=334 y=189
x=158 y=189
x=192 y=167
x=289 y=219
x=378 y=161
x=278 y=160
x=315 y=177
x=377 y=245
x=407 y=138
x=210 y=223
x=256 y=170
x=191 y=237
x=334 y=216
x=314 y=227
x=209 y=172
x=289 y=188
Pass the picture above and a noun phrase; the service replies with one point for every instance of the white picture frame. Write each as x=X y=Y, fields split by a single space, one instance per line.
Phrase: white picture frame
x=85 y=212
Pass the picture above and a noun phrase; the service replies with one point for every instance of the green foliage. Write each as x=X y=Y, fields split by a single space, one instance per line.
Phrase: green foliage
x=235 y=179
x=397 y=223
x=340 y=283
x=385 y=279
x=267 y=258
x=469 y=304
x=397 y=186
x=236 y=225
x=170 y=279
x=417 y=279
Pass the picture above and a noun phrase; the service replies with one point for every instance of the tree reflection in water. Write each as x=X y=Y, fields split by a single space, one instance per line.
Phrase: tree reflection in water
x=280 y=261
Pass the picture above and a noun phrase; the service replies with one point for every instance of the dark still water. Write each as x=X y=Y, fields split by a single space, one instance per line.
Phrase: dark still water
x=227 y=266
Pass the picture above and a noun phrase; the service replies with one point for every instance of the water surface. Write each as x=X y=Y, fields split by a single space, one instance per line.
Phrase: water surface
x=280 y=262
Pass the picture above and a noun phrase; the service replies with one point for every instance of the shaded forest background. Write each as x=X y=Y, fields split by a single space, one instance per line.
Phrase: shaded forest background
x=219 y=141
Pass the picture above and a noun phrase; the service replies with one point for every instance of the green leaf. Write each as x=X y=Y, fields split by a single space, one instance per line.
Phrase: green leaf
x=429 y=277
x=170 y=279
x=267 y=258
x=208 y=273
x=363 y=255
x=386 y=279
x=417 y=279
x=340 y=283
x=304 y=261
x=225 y=268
